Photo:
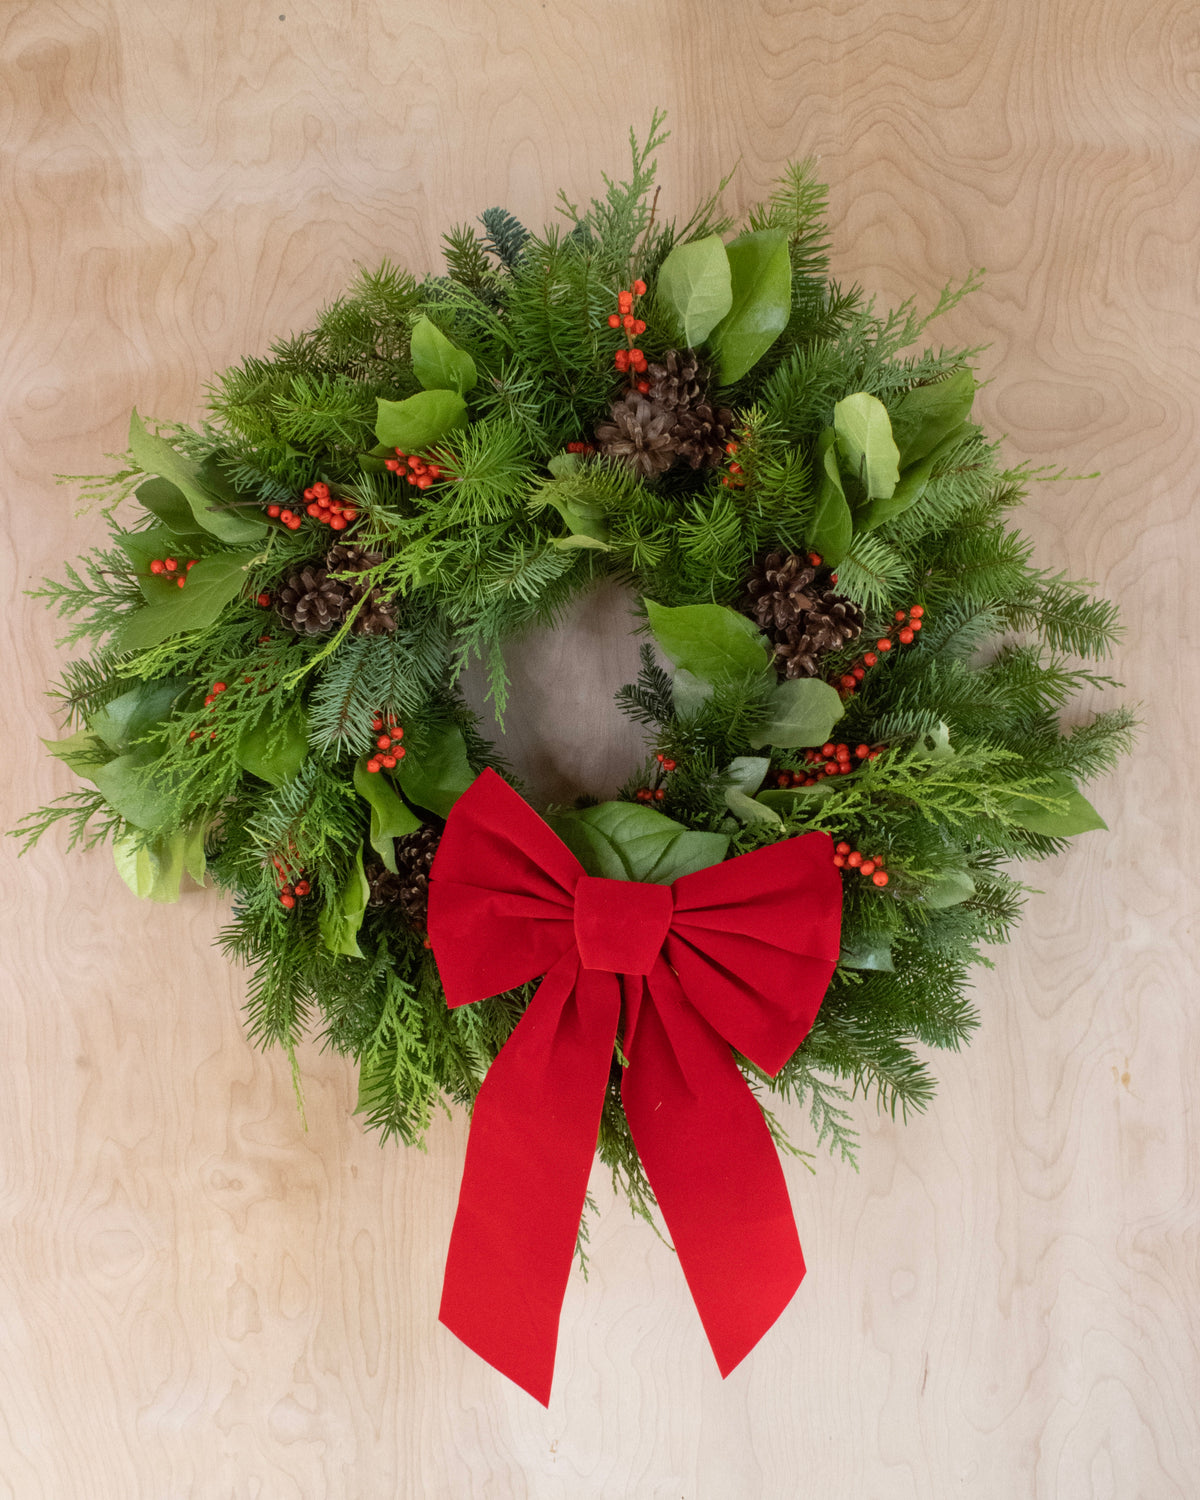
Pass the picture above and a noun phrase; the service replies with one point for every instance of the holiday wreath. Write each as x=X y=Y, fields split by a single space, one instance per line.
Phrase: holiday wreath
x=861 y=726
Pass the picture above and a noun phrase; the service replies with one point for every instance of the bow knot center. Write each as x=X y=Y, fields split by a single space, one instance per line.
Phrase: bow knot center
x=620 y=925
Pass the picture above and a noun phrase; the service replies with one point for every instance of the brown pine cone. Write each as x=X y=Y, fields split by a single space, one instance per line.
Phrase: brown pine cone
x=311 y=603
x=639 y=435
x=700 y=434
x=778 y=591
x=414 y=859
x=378 y=615
x=680 y=381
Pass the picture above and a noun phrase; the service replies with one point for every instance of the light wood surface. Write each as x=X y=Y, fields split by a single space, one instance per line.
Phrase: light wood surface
x=199 y=1298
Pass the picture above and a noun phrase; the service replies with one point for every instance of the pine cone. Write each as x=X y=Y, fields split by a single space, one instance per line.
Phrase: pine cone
x=378 y=615
x=700 y=434
x=414 y=860
x=680 y=381
x=805 y=619
x=311 y=603
x=385 y=888
x=639 y=435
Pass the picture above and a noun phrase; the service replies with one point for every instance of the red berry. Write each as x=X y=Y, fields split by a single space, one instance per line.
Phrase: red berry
x=372 y=765
x=170 y=564
x=883 y=644
x=659 y=795
x=854 y=859
x=321 y=489
x=384 y=741
x=396 y=732
x=843 y=847
x=288 y=901
x=273 y=511
x=193 y=734
x=880 y=877
x=828 y=749
x=814 y=559
x=874 y=755
x=302 y=888
x=179 y=582
x=731 y=447
x=638 y=326
x=192 y=563
x=840 y=861
x=870 y=658
x=614 y=320
x=264 y=600
x=867 y=867
x=842 y=751
x=900 y=615
x=627 y=322
x=668 y=765
x=916 y=625
x=639 y=287
x=917 y=611
x=848 y=679
x=388 y=762
x=208 y=700
x=391 y=463
x=810 y=781
x=400 y=751
x=294 y=524
x=862 y=751
x=906 y=636
x=644 y=387
x=377 y=722
x=158 y=566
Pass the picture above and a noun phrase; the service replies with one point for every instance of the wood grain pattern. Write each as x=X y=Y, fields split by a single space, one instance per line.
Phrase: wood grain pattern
x=198 y=1297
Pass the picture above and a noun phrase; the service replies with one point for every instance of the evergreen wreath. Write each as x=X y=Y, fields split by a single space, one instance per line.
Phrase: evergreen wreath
x=819 y=539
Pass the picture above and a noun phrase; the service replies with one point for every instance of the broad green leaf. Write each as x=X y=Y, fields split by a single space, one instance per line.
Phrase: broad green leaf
x=194 y=861
x=124 y=721
x=936 y=742
x=877 y=956
x=925 y=416
x=128 y=790
x=949 y=889
x=911 y=485
x=788 y=799
x=800 y=712
x=211 y=585
x=391 y=816
x=419 y=422
x=695 y=284
x=275 y=749
x=578 y=540
x=743 y=778
x=342 y=917
x=214 y=503
x=584 y=517
x=167 y=501
x=865 y=443
x=689 y=693
x=625 y=841
x=142 y=547
x=713 y=643
x=83 y=752
x=1074 y=815
x=832 y=526
x=437 y=776
x=437 y=363
x=563 y=465
x=154 y=871
x=761 y=303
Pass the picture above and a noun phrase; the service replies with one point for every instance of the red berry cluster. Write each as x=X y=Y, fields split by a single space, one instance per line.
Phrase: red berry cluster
x=734 y=477
x=847 y=858
x=290 y=519
x=169 y=567
x=908 y=624
x=210 y=702
x=829 y=760
x=630 y=360
x=289 y=890
x=581 y=447
x=657 y=793
x=413 y=469
x=324 y=508
x=388 y=749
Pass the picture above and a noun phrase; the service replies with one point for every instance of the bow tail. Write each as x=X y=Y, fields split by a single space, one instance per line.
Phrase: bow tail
x=533 y=1136
x=712 y=1165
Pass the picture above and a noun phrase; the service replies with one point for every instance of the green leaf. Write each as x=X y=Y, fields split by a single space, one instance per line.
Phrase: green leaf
x=689 y=693
x=275 y=749
x=563 y=465
x=911 y=486
x=1075 y=813
x=787 y=798
x=419 y=422
x=437 y=777
x=877 y=956
x=800 y=712
x=167 y=501
x=832 y=526
x=391 y=816
x=342 y=917
x=143 y=547
x=584 y=517
x=949 y=889
x=194 y=861
x=212 y=583
x=83 y=752
x=715 y=644
x=213 y=501
x=124 y=721
x=625 y=841
x=865 y=443
x=925 y=416
x=154 y=871
x=936 y=742
x=761 y=304
x=437 y=363
x=743 y=777
x=695 y=284
x=127 y=789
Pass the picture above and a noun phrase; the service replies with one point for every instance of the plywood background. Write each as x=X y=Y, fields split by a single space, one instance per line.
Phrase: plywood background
x=200 y=1299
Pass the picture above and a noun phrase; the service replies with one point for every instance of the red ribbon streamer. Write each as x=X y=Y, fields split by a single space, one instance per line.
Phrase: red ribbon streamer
x=738 y=955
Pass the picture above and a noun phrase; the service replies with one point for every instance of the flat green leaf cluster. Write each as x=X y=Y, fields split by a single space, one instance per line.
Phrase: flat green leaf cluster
x=213 y=743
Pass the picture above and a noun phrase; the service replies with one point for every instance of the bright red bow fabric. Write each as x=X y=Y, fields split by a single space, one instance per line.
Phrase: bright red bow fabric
x=738 y=955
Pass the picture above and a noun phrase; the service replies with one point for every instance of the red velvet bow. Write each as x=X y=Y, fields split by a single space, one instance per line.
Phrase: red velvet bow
x=738 y=955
